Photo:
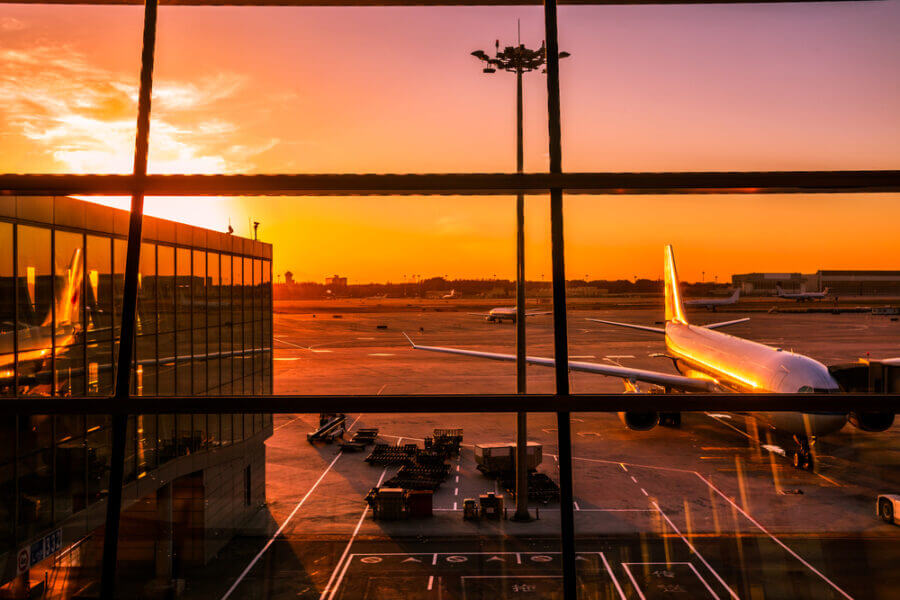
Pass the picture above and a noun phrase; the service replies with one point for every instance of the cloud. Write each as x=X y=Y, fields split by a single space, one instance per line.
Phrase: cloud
x=83 y=115
x=11 y=24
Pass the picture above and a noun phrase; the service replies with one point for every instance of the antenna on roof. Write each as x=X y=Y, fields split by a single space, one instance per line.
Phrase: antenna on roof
x=230 y=228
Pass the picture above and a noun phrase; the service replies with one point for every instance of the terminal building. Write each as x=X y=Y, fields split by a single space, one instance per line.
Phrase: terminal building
x=204 y=327
x=839 y=283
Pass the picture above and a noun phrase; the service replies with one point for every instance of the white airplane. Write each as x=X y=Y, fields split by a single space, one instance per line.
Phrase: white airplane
x=711 y=361
x=712 y=303
x=452 y=294
x=36 y=341
x=497 y=315
x=800 y=296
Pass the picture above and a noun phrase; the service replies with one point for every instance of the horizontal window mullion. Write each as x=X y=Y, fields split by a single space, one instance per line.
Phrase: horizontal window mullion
x=480 y=184
x=457 y=403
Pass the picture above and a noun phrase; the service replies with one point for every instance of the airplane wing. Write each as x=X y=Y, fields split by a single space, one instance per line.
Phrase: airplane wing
x=726 y=323
x=631 y=326
x=537 y=314
x=677 y=382
x=479 y=314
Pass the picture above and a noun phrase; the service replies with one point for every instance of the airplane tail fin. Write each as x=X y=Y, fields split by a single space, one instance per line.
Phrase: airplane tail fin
x=674 y=307
x=736 y=295
x=68 y=303
x=778 y=289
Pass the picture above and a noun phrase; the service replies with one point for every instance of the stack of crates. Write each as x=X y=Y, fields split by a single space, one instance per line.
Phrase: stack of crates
x=445 y=441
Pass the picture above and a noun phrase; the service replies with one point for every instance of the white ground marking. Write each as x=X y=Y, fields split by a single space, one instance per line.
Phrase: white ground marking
x=667 y=564
x=285 y=424
x=285 y=522
x=643 y=491
x=582 y=356
x=633 y=479
x=694 y=569
x=576 y=505
x=612 y=575
x=454 y=506
x=695 y=551
x=624 y=468
x=775 y=539
x=381 y=389
x=289 y=343
x=320 y=351
x=634 y=583
x=381 y=354
x=774 y=448
x=343 y=570
x=430 y=582
x=287 y=358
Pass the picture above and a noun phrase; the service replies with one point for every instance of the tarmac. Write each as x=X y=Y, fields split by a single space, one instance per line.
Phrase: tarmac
x=711 y=509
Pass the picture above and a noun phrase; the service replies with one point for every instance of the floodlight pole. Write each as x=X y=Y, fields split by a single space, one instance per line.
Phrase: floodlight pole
x=518 y=59
x=521 y=513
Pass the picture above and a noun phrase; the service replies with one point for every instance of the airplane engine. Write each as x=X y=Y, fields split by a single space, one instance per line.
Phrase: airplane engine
x=873 y=422
x=639 y=421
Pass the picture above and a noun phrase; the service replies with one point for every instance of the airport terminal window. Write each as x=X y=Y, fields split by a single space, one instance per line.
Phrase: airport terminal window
x=69 y=314
x=35 y=292
x=198 y=323
x=98 y=336
x=7 y=305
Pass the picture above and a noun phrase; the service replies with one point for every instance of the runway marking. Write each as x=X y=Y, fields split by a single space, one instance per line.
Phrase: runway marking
x=430 y=582
x=381 y=389
x=775 y=539
x=359 y=523
x=612 y=576
x=576 y=506
x=633 y=479
x=378 y=353
x=695 y=551
x=667 y=564
x=285 y=424
x=285 y=522
x=643 y=491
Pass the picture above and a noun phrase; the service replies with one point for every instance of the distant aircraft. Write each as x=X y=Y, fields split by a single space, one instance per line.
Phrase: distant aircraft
x=799 y=296
x=452 y=294
x=712 y=303
x=497 y=315
x=711 y=361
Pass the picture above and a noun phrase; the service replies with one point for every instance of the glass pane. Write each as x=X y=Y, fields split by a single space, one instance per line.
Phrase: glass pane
x=100 y=315
x=7 y=309
x=69 y=314
x=145 y=383
x=242 y=109
x=165 y=290
x=35 y=304
x=689 y=88
x=183 y=363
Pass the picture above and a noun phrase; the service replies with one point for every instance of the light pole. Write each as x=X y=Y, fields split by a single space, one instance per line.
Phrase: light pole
x=518 y=59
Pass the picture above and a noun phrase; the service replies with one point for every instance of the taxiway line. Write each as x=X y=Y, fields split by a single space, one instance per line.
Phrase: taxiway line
x=612 y=576
x=774 y=538
x=284 y=523
x=697 y=552
x=344 y=560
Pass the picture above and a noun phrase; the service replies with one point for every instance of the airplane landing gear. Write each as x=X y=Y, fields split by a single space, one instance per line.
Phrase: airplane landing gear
x=670 y=419
x=802 y=457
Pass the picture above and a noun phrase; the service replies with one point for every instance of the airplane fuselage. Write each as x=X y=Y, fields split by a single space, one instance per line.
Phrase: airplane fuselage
x=741 y=365
x=497 y=315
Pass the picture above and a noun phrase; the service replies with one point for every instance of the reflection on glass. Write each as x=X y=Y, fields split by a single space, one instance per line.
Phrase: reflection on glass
x=7 y=311
x=69 y=314
x=35 y=305
x=98 y=300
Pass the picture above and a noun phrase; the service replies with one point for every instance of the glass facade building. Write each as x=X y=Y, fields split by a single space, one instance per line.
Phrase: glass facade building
x=204 y=327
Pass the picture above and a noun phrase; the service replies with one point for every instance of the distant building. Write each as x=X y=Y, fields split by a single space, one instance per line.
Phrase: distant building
x=336 y=282
x=761 y=284
x=859 y=283
x=839 y=283
x=288 y=277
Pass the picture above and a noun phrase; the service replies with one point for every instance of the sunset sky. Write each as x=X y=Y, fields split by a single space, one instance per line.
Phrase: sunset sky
x=280 y=90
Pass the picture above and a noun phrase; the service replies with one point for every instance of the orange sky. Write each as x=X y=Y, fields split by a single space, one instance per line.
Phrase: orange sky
x=395 y=90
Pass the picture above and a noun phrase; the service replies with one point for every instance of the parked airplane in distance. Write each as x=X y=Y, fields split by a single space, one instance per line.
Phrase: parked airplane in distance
x=712 y=303
x=800 y=296
x=711 y=361
x=452 y=294
x=497 y=315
